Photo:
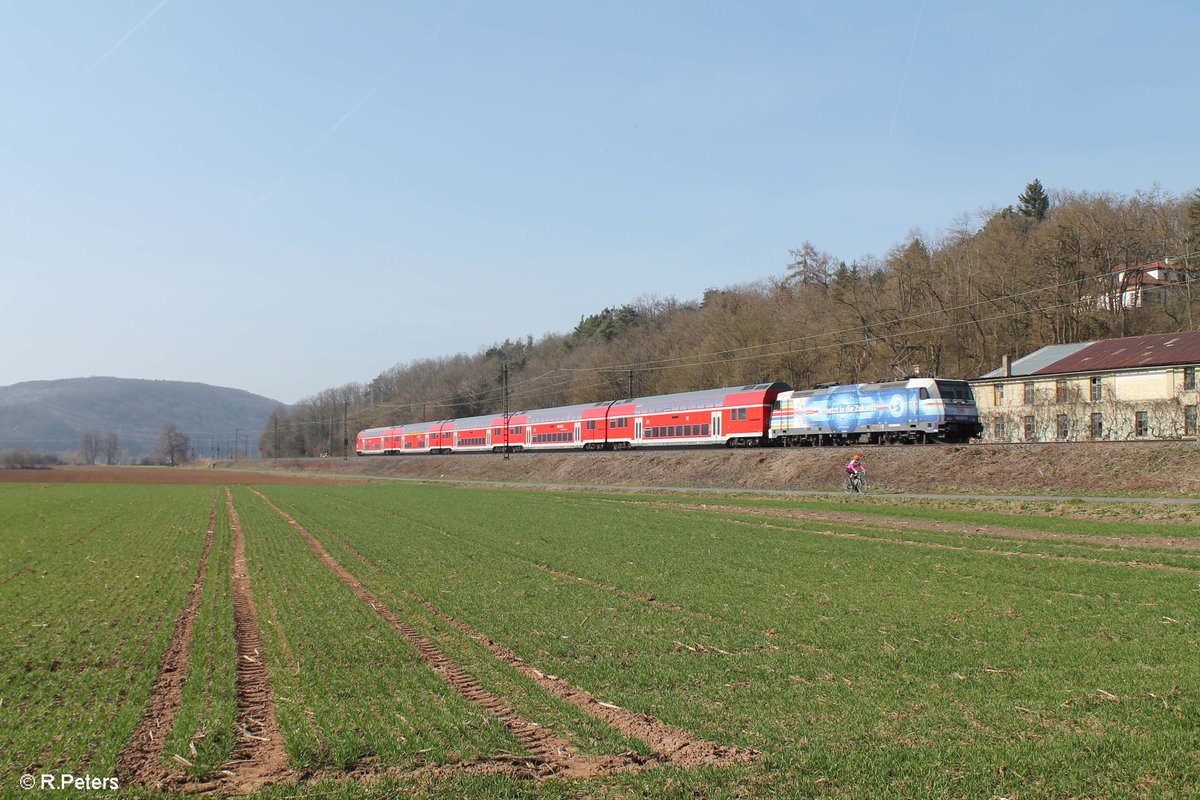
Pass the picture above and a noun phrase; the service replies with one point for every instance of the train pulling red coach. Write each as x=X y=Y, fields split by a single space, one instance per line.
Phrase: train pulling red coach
x=732 y=416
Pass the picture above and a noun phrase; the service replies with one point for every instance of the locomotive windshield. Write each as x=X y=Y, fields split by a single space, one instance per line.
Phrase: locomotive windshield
x=955 y=390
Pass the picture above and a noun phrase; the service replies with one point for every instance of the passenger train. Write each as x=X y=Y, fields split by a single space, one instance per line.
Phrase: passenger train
x=916 y=410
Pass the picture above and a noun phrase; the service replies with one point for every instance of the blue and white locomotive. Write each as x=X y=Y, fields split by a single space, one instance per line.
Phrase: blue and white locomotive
x=916 y=410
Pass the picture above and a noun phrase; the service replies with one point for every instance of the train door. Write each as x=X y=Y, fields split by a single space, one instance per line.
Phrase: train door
x=578 y=437
x=637 y=429
x=488 y=436
x=716 y=423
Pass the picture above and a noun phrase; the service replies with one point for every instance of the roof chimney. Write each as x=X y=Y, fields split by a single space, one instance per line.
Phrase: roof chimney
x=1005 y=367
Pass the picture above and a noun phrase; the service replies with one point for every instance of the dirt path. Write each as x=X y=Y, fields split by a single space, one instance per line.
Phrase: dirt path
x=140 y=762
x=259 y=758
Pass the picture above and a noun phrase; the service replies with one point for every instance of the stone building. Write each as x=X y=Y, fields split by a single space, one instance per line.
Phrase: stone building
x=1137 y=387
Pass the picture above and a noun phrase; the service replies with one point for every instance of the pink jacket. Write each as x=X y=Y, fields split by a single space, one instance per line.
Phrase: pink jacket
x=855 y=466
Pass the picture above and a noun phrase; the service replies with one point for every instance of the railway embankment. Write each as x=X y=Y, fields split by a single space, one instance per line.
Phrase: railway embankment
x=1100 y=468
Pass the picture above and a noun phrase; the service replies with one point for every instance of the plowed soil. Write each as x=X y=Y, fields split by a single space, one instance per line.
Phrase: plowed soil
x=151 y=475
x=259 y=757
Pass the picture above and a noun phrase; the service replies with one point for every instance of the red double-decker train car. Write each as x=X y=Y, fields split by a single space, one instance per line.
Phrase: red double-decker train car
x=732 y=416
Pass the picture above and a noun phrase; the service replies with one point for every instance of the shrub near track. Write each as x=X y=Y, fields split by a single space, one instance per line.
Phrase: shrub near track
x=861 y=668
x=91 y=581
x=349 y=691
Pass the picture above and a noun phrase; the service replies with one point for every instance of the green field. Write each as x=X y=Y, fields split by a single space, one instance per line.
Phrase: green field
x=903 y=650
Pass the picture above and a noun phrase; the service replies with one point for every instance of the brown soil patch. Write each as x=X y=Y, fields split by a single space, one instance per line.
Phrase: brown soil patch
x=259 y=757
x=154 y=475
x=141 y=759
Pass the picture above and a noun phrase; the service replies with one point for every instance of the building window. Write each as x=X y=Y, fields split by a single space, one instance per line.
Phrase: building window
x=1189 y=378
x=1141 y=423
x=1060 y=390
x=1030 y=430
x=998 y=394
x=1096 y=389
x=1097 y=426
x=1189 y=420
x=998 y=430
x=1064 y=426
x=1029 y=394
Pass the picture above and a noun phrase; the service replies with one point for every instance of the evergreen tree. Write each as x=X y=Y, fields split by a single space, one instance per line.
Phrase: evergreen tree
x=1035 y=202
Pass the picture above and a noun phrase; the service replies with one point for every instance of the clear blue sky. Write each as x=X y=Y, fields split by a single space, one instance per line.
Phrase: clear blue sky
x=288 y=196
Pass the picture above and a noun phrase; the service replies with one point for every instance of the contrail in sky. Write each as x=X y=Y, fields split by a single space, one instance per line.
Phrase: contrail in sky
x=85 y=73
x=315 y=146
x=904 y=81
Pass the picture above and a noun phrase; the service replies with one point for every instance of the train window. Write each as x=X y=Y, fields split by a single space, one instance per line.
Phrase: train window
x=957 y=390
x=924 y=393
x=687 y=430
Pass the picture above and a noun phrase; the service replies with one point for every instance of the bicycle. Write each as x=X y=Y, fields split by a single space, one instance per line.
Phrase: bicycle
x=856 y=483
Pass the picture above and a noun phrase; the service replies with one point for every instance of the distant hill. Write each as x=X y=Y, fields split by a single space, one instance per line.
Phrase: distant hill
x=51 y=416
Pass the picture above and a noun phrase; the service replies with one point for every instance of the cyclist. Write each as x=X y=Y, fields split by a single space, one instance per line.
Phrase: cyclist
x=855 y=471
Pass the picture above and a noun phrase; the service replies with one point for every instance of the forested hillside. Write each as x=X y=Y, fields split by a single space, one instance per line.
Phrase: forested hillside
x=1051 y=268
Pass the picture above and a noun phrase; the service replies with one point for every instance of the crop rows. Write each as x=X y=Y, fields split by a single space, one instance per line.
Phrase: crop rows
x=374 y=640
x=850 y=656
x=93 y=579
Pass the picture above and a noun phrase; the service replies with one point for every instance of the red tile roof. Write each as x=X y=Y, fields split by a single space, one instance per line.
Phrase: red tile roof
x=1157 y=350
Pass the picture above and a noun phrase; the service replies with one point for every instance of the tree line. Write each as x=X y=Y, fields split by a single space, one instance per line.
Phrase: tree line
x=1052 y=268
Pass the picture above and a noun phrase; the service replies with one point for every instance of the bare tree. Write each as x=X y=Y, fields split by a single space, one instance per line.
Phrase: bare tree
x=110 y=446
x=89 y=447
x=173 y=444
